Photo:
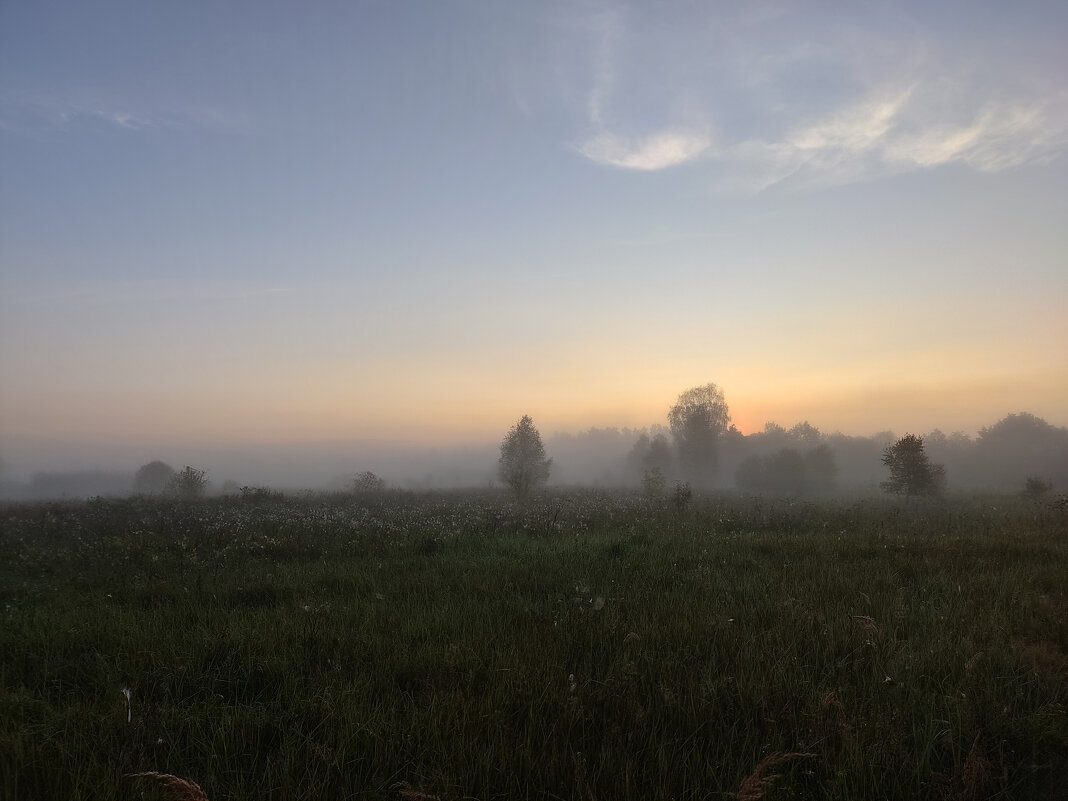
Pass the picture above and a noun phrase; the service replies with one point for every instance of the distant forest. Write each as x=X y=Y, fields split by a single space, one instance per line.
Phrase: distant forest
x=1001 y=457
x=797 y=460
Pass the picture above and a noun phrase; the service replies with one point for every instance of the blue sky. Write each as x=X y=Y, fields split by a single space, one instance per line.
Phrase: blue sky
x=247 y=221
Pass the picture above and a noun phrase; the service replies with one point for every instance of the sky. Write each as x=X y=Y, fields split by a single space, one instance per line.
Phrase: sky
x=228 y=223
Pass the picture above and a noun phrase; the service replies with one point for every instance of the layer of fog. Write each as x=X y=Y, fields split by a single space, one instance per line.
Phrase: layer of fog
x=1000 y=457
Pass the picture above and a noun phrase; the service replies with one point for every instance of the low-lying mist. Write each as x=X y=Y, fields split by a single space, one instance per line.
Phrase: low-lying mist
x=799 y=460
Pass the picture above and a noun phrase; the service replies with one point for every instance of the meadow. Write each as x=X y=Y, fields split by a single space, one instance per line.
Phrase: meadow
x=585 y=645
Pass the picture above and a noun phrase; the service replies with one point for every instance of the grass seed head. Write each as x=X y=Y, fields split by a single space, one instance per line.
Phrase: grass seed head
x=976 y=773
x=871 y=628
x=170 y=788
x=409 y=793
x=832 y=720
x=762 y=778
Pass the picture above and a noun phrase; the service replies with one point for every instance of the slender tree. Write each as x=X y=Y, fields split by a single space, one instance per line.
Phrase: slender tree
x=522 y=465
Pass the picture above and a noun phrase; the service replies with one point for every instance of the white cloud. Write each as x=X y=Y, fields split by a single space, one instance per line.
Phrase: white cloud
x=664 y=149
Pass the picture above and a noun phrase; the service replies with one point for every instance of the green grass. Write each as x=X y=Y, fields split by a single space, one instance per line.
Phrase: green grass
x=587 y=646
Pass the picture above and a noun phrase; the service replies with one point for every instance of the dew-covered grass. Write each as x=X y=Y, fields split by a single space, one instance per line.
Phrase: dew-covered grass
x=587 y=645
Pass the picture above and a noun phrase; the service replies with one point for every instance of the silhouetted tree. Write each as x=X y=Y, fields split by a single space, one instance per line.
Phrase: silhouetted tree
x=698 y=420
x=911 y=472
x=522 y=464
x=153 y=477
x=188 y=483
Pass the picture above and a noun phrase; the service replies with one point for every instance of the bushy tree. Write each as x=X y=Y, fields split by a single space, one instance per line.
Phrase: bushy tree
x=698 y=420
x=522 y=464
x=911 y=472
x=153 y=477
x=367 y=482
x=188 y=483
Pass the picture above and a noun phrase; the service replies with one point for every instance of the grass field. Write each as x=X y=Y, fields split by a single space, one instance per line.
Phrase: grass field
x=589 y=645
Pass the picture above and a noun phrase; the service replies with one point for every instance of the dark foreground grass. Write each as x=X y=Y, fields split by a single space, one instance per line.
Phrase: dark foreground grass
x=588 y=646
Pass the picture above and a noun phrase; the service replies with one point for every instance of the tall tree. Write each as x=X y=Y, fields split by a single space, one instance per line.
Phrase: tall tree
x=698 y=420
x=153 y=477
x=911 y=472
x=522 y=464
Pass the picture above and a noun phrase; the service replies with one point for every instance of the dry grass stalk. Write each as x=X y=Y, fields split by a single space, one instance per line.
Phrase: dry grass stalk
x=833 y=725
x=761 y=779
x=976 y=771
x=171 y=788
x=869 y=625
x=409 y=793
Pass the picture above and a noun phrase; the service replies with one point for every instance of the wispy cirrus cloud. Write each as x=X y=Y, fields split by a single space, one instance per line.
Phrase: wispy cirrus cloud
x=897 y=131
x=40 y=112
x=613 y=139
x=875 y=95
x=999 y=137
x=655 y=152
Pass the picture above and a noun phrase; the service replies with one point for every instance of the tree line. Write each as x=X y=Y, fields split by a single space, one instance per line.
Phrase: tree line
x=701 y=448
x=697 y=447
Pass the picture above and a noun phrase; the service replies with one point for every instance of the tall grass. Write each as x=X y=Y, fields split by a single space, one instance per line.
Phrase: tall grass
x=588 y=646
